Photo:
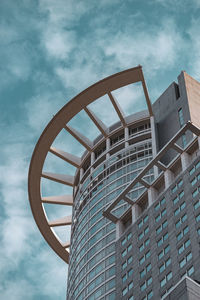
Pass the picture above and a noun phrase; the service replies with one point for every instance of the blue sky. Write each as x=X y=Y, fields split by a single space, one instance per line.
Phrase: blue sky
x=51 y=50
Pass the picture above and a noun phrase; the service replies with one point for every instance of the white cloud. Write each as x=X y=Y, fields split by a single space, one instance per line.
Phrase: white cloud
x=17 y=289
x=42 y=107
x=20 y=238
x=195 y=46
x=62 y=12
x=131 y=98
x=59 y=43
x=155 y=48
x=78 y=77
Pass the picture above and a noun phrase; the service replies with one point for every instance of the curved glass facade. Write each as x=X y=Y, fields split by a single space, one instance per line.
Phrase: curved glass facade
x=92 y=253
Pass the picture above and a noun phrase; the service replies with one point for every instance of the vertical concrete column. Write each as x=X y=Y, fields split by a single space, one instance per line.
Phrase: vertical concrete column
x=152 y=195
x=119 y=229
x=153 y=136
x=75 y=189
x=81 y=176
x=154 y=142
x=136 y=211
x=199 y=141
x=185 y=160
x=126 y=136
x=92 y=159
x=81 y=173
x=169 y=177
x=107 y=148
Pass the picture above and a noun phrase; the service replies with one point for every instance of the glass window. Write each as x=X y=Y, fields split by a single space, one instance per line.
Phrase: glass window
x=142 y=260
x=182 y=263
x=169 y=276
x=194 y=181
x=110 y=272
x=187 y=243
x=198 y=218
x=195 y=193
x=130 y=286
x=174 y=189
x=162 y=268
x=124 y=278
x=143 y=286
x=181 y=249
x=141 y=248
x=161 y=202
x=110 y=284
x=124 y=252
x=124 y=265
x=129 y=247
x=163 y=238
x=176 y=200
x=147 y=255
x=150 y=295
x=163 y=282
x=181 y=221
x=130 y=272
x=180 y=115
x=180 y=183
x=190 y=271
x=130 y=259
x=148 y=268
x=189 y=256
x=184 y=140
x=142 y=234
x=168 y=262
x=149 y=281
x=163 y=212
x=185 y=230
x=129 y=236
x=140 y=224
x=180 y=208
x=124 y=292
x=143 y=273
x=192 y=171
x=123 y=242
x=197 y=204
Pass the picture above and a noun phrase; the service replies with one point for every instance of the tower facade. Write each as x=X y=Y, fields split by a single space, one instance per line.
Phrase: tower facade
x=135 y=228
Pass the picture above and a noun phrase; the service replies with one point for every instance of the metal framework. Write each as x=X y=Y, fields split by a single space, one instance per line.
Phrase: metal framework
x=44 y=145
x=155 y=162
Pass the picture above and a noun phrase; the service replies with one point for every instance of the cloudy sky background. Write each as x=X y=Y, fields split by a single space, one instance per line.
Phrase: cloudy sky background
x=51 y=50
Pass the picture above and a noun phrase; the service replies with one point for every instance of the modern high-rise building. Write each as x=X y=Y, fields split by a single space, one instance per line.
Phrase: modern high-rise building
x=135 y=224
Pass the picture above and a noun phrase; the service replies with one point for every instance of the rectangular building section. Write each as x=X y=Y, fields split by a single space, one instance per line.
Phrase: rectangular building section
x=161 y=244
x=136 y=215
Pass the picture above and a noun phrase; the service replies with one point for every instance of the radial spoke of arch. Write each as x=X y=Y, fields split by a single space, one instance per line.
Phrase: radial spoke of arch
x=100 y=125
x=118 y=109
x=63 y=200
x=70 y=158
x=79 y=137
x=61 y=178
x=61 y=221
